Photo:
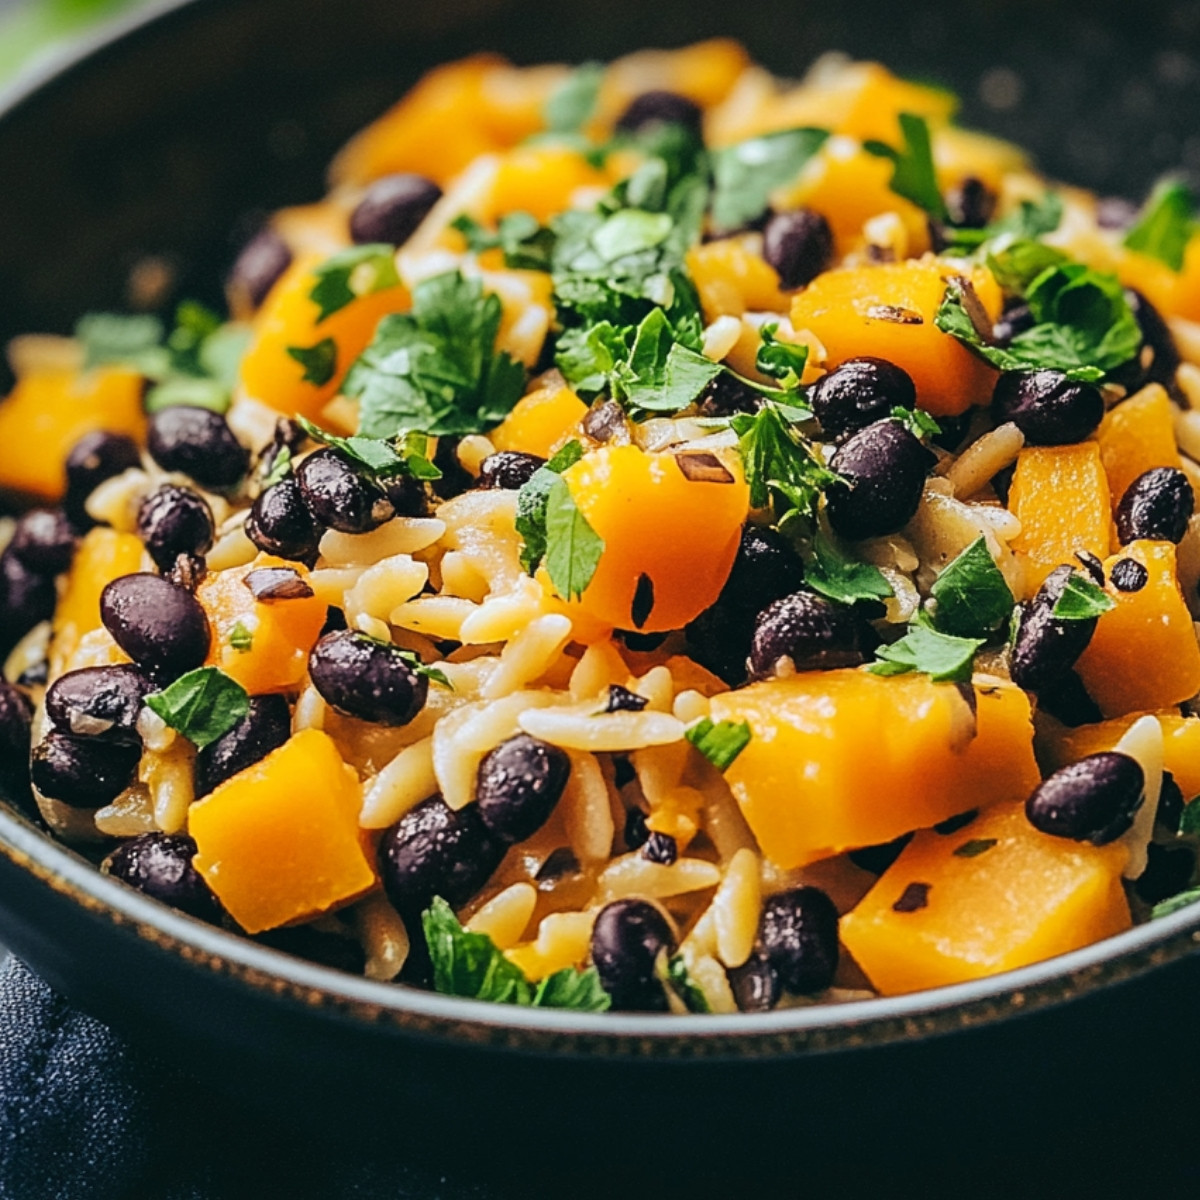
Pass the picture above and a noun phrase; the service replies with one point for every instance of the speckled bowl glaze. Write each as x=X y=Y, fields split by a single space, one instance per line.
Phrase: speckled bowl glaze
x=162 y=138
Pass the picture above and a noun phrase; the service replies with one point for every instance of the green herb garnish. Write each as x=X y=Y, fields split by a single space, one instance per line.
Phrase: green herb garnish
x=190 y=391
x=972 y=596
x=407 y=455
x=1189 y=819
x=532 y=500
x=835 y=575
x=1165 y=225
x=573 y=547
x=1081 y=600
x=745 y=175
x=350 y=274
x=975 y=847
x=319 y=361
x=571 y=105
x=1166 y=907
x=720 y=741
x=913 y=174
x=942 y=656
x=674 y=975
x=203 y=705
x=112 y=338
x=527 y=246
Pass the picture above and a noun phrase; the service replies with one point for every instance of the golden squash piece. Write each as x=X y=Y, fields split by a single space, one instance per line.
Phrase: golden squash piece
x=1135 y=436
x=987 y=898
x=843 y=759
x=280 y=842
x=732 y=277
x=540 y=421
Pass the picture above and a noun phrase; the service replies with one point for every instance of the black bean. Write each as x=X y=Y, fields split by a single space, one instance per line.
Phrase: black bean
x=1047 y=407
x=198 y=443
x=364 y=678
x=157 y=623
x=1169 y=870
x=799 y=245
x=174 y=521
x=279 y=523
x=160 y=865
x=660 y=848
x=258 y=267
x=44 y=541
x=1158 y=505
x=83 y=772
x=1159 y=357
x=858 y=393
x=455 y=479
x=971 y=204
x=755 y=984
x=877 y=859
x=392 y=208
x=814 y=633
x=627 y=940
x=636 y=834
x=26 y=599
x=434 y=851
x=799 y=935
x=16 y=717
x=509 y=469
x=725 y=395
x=559 y=864
x=99 y=702
x=93 y=459
x=1047 y=647
x=660 y=108
x=340 y=496
x=1016 y=319
x=1067 y=701
x=1128 y=575
x=335 y=619
x=518 y=785
x=884 y=467
x=264 y=728
x=1092 y=800
x=1092 y=565
x=1170 y=804
x=406 y=494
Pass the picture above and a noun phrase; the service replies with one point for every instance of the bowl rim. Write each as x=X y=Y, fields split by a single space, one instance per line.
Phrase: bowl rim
x=346 y=997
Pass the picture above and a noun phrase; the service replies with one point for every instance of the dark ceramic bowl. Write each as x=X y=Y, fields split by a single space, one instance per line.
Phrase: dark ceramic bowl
x=164 y=139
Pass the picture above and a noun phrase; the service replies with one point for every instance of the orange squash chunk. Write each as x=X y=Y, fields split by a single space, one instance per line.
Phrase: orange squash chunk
x=1144 y=654
x=704 y=72
x=50 y=410
x=732 y=277
x=842 y=759
x=1136 y=435
x=281 y=632
x=280 y=842
x=540 y=421
x=541 y=180
x=987 y=908
x=874 y=310
x=680 y=534
x=288 y=318
x=1060 y=495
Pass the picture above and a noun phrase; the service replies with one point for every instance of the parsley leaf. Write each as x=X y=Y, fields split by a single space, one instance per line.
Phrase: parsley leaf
x=406 y=455
x=319 y=361
x=573 y=547
x=1028 y=221
x=782 y=361
x=745 y=175
x=917 y=421
x=241 y=638
x=674 y=974
x=571 y=105
x=281 y=465
x=1166 y=907
x=720 y=742
x=661 y=374
x=189 y=391
x=526 y=245
x=913 y=173
x=971 y=593
x=531 y=504
x=434 y=674
x=1019 y=263
x=571 y=988
x=941 y=656
x=1165 y=225
x=436 y=370
x=203 y=705
x=349 y=274
x=1189 y=819
x=1081 y=600
x=112 y=338
x=835 y=575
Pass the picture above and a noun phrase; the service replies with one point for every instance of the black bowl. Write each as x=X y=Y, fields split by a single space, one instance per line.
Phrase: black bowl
x=166 y=140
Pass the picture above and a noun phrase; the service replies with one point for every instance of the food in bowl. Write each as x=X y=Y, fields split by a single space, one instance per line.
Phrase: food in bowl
x=653 y=537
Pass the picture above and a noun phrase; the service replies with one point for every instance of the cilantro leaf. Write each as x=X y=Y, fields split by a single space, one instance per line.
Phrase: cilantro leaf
x=661 y=374
x=573 y=547
x=913 y=174
x=835 y=575
x=531 y=504
x=436 y=370
x=917 y=421
x=1081 y=600
x=1027 y=222
x=1165 y=225
x=574 y=989
x=745 y=174
x=405 y=455
x=319 y=361
x=190 y=391
x=349 y=274
x=941 y=656
x=674 y=974
x=112 y=338
x=195 y=323
x=570 y=106
x=720 y=742
x=281 y=465
x=971 y=593
x=526 y=245
x=1019 y=263
x=1166 y=907
x=203 y=705
x=588 y=356
x=782 y=361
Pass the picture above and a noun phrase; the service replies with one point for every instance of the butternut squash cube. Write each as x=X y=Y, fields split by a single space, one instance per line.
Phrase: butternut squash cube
x=540 y=421
x=279 y=842
x=732 y=278
x=987 y=898
x=1136 y=435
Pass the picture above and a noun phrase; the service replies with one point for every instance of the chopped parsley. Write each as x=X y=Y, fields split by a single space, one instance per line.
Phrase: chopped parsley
x=745 y=175
x=319 y=361
x=1165 y=225
x=573 y=547
x=720 y=741
x=1019 y=263
x=407 y=455
x=1030 y=220
x=281 y=466
x=203 y=705
x=972 y=596
x=1081 y=600
x=913 y=174
x=532 y=501
x=350 y=274
x=942 y=656
x=674 y=975
x=917 y=421
x=782 y=361
x=526 y=245
x=112 y=338
x=571 y=105
x=835 y=575
x=1166 y=907
x=433 y=674
x=188 y=391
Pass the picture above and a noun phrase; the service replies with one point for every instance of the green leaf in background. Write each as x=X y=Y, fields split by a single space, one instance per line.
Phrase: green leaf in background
x=745 y=175
x=115 y=338
x=349 y=274
x=1165 y=225
x=570 y=106
x=913 y=174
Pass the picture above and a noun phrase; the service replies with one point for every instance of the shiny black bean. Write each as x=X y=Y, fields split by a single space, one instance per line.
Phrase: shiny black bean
x=971 y=204
x=264 y=728
x=1128 y=575
x=26 y=598
x=884 y=467
x=627 y=940
x=660 y=108
x=407 y=495
x=814 y=633
x=1092 y=800
x=1159 y=357
x=341 y=497
x=858 y=393
x=1046 y=647
x=636 y=834
x=1015 y=319
x=174 y=521
x=392 y=209
x=1047 y=407
x=434 y=851
x=198 y=443
x=99 y=702
x=799 y=935
x=44 y=541
x=157 y=623
x=509 y=469
x=367 y=679
x=1067 y=701
x=258 y=267
x=518 y=785
x=1158 y=505
x=1169 y=870
x=755 y=984
x=160 y=865
x=279 y=523
x=1170 y=804
x=83 y=772
x=799 y=245
x=93 y=459
x=660 y=848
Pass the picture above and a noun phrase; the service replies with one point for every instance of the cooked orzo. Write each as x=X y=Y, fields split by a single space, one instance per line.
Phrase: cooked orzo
x=653 y=537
